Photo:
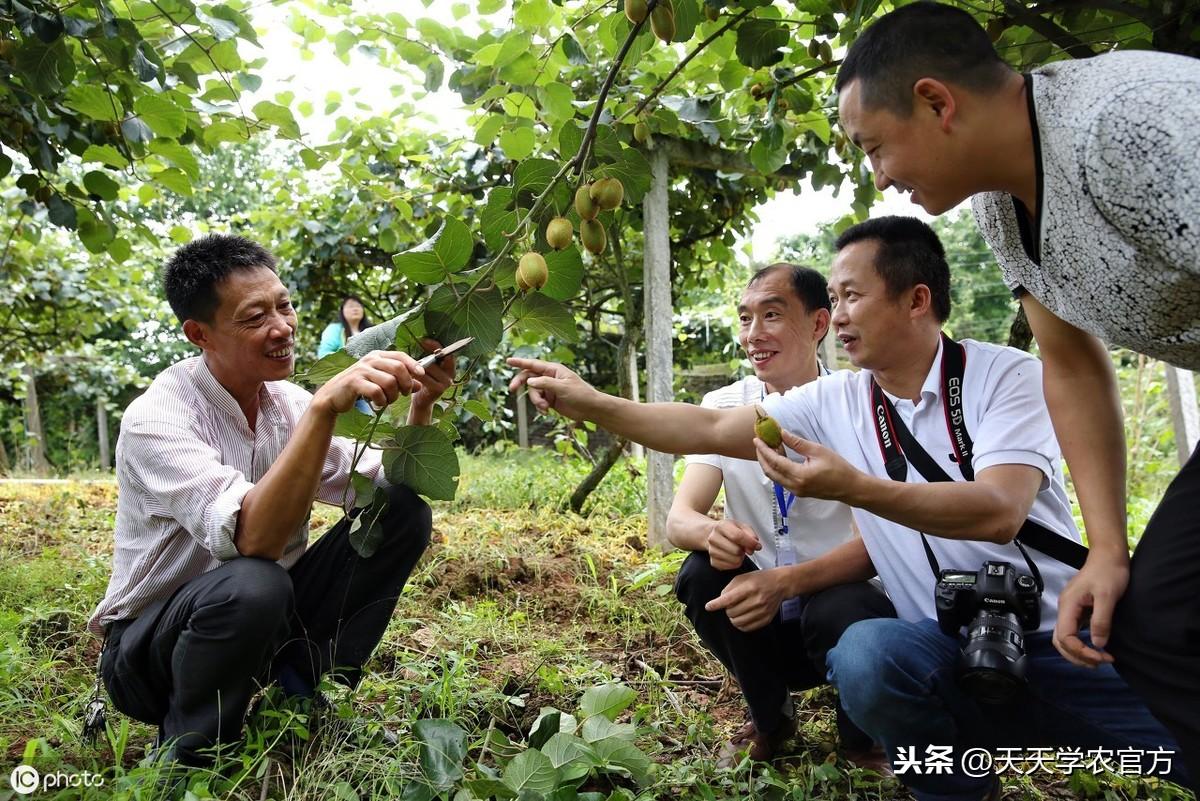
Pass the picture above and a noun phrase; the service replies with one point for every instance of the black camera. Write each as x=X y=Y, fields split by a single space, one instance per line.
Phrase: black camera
x=996 y=604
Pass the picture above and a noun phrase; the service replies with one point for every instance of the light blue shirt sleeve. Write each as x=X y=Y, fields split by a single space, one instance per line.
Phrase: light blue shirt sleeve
x=331 y=340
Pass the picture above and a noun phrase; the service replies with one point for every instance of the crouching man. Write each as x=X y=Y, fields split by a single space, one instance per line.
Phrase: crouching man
x=945 y=452
x=771 y=640
x=214 y=591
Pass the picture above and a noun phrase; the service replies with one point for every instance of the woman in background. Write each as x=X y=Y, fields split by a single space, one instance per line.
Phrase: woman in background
x=352 y=319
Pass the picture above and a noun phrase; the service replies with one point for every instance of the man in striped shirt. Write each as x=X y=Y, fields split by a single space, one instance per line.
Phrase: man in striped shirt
x=214 y=591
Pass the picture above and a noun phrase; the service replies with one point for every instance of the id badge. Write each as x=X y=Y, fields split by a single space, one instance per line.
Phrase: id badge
x=785 y=554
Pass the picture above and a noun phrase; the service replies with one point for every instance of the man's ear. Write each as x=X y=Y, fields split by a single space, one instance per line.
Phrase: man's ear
x=820 y=323
x=197 y=333
x=932 y=96
x=921 y=301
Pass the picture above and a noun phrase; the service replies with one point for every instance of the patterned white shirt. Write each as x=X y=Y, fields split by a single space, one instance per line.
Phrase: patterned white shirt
x=186 y=457
x=1116 y=246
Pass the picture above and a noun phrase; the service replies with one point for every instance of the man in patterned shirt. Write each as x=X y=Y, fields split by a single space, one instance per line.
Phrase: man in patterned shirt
x=1086 y=184
x=214 y=591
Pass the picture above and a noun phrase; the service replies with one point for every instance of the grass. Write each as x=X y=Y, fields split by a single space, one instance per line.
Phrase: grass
x=518 y=613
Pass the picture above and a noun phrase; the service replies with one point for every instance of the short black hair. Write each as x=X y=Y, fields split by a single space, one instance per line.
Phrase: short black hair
x=809 y=285
x=191 y=275
x=910 y=253
x=921 y=40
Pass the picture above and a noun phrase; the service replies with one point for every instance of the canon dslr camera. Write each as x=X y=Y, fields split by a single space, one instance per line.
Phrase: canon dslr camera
x=996 y=604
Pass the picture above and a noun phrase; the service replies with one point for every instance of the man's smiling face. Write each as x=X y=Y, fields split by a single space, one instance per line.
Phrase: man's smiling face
x=778 y=333
x=911 y=154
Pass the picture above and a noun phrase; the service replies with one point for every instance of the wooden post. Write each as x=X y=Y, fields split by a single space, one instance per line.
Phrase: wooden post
x=1181 y=391
x=659 y=331
x=522 y=420
x=102 y=431
x=35 y=437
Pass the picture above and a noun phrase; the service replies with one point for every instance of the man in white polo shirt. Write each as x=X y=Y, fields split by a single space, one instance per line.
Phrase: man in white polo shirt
x=771 y=643
x=977 y=412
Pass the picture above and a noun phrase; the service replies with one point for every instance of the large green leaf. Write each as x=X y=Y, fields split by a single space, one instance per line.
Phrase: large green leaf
x=105 y=154
x=565 y=273
x=443 y=746
x=94 y=102
x=759 y=42
x=326 y=368
x=518 y=143
x=598 y=727
x=46 y=68
x=770 y=152
x=443 y=254
x=476 y=315
x=98 y=183
x=624 y=755
x=277 y=115
x=536 y=313
x=177 y=154
x=687 y=17
x=571 y=755
x=496 y=220
x=531 y=177
x=531 y=770
x=423 y=459
x=164 y=117
x=608 y=700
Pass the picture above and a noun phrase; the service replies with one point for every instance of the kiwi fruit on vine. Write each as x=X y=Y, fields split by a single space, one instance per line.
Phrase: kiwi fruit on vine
x=662 y=20
x=826 y=52
x=591 y=233
x=636 y=10
x=531 y=272
x=641 y=132
x=559 y=233
x=757 y=91
x=607 y=193
x=585 y=207
x=814 y=49
x=766 y=429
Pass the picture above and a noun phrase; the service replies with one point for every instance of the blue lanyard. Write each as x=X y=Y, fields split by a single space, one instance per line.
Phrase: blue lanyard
x=785 y=503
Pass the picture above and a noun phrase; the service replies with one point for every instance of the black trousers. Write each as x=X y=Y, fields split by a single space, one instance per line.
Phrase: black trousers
x=783 y=655
x=1156 y=628
x=191 y=663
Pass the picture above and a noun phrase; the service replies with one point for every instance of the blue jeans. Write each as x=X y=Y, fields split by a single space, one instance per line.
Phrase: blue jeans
x=897 y=682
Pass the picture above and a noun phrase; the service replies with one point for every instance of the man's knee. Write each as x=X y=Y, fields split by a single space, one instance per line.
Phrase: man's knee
x=863 y=664
x=698 y=581
x=409 y=520
x=248 y=594
x=827 y=614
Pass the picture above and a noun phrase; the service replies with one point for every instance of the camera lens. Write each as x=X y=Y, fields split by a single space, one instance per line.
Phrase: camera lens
x=992 y=667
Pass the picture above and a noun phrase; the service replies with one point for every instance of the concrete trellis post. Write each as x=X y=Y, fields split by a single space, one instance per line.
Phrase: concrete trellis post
x=659 y=331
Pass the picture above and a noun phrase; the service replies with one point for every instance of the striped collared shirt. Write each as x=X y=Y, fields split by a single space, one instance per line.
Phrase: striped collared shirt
x=185 y=459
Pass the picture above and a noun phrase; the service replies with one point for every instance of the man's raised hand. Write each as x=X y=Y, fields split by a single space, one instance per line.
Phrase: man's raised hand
x=380 y=377
x=822 y=474
x=552 y=386
x=729 y=543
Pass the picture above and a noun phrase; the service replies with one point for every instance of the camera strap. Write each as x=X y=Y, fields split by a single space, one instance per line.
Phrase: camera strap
x=900 y=448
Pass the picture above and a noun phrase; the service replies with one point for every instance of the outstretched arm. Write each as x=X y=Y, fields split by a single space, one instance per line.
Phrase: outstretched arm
x=1085 y=407
x=664 y=427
